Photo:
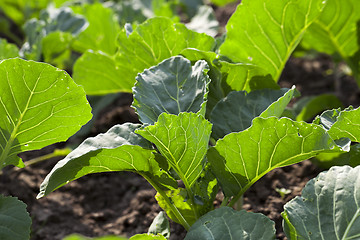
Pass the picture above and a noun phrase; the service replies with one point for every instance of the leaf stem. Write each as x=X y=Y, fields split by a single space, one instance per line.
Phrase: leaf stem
x=191 y=200
x=173 y=208
x=224 y=202
x=56 y=153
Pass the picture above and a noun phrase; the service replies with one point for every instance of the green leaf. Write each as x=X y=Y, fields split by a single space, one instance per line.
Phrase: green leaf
x=56 y=49
x=265 y=33
x=336 y=30
x=341 y=124
x=119 y=149
x=8 y=50
x=80 y=237
x=328 y=208
x=227 y=223
x=160 y=225
x=180 y=199
x=173 y=86
x=236 y=112
x=183 y=140
x=240 y=159
x=15 y=221
x=222 y=2
x=308 y=107
x=146 y=236
x=102 y=31
x=21 y=10
x=93 y=66
x=327 y=160
x=147 y=45
x=248 y=77
x=41 y=105
x=226 y=76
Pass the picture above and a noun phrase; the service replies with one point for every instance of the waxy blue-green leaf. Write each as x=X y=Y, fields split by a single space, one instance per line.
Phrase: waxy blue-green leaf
x=183 y=140
x=328 y=207
x=240 y=159
x=102 y=31
x=119 y=149
x=51 y=20
x=227 y=223
x=39 y=105
x=265 y=32
x=341 y=124
x=147 y=45
x=15 y=221
x=160 y=225
x=336 y=31
x=8 y=50
x=204 y=21
x=236 y=112
x=173 y=86
x=138 y=11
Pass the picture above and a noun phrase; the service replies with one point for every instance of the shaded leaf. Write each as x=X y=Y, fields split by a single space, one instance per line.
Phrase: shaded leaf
x=308 y=107
x=236 y=112
x=41 y=105
x=227 y=223
x=56 y=49
x=327 y=160
x=173 y=86
x=328 y=207
x=15 y=221
x=265 y=33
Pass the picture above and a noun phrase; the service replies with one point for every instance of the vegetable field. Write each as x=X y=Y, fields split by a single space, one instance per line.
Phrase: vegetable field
x=177 y=119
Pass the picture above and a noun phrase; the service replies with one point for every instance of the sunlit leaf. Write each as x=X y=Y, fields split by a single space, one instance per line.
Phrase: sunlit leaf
x=265 y=32
x=40 y=105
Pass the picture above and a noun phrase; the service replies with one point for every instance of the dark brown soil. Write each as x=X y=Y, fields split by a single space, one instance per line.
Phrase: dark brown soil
x=124 y=203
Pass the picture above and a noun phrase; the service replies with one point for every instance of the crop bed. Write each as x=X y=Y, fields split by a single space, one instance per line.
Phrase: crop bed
x=124 y=203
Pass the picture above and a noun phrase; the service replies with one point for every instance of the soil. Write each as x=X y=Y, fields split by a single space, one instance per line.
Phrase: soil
x=124 y=203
